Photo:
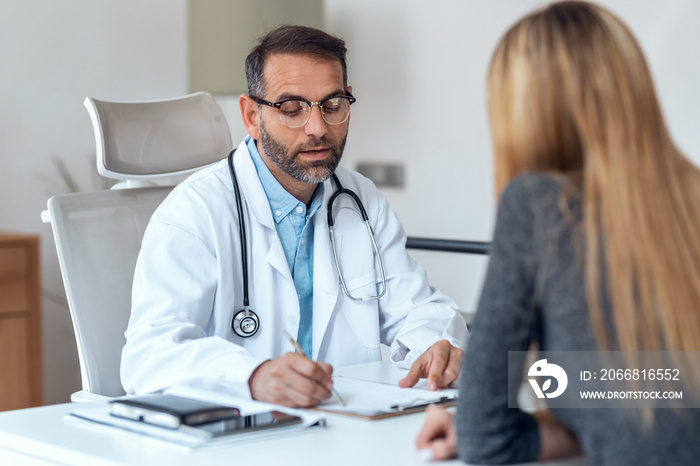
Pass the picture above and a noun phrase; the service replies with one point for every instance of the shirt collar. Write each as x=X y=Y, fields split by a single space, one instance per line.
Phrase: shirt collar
x=281 y=202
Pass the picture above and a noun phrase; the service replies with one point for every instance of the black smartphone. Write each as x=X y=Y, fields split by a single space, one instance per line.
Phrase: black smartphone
x=171 y=411
x=243 y=424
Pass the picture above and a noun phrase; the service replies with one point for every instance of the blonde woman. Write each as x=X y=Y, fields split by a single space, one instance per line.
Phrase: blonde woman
x=596 y=245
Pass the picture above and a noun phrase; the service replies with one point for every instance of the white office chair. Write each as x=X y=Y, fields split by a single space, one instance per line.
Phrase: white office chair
x=98 y=234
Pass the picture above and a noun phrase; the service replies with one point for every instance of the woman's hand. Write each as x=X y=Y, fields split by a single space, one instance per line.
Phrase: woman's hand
x=555 y=441
x=437 y=438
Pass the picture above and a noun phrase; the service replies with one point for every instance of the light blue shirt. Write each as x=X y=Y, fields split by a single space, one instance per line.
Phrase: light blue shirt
x=295 y=227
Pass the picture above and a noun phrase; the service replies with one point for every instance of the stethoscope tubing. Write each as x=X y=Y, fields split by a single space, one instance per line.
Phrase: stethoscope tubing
x=241 y=230
x=365 y=219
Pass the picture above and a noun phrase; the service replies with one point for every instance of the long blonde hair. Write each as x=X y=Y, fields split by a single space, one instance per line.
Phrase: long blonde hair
x=570 y=92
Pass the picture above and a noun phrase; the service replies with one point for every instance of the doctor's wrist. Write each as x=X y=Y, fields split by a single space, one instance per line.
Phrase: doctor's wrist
x=253 y=376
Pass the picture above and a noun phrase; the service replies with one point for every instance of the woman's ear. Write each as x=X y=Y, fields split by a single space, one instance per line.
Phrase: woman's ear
x=250 y=115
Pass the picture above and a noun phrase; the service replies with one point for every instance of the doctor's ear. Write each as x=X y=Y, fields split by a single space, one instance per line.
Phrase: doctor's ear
x=250 y=115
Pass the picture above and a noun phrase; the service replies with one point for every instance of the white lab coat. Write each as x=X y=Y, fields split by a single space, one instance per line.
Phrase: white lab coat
x=188 y=285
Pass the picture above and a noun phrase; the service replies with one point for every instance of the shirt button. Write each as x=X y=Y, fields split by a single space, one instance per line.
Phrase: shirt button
x=303 y=241
x=299 y=296
x=278 y=212
x=300 y=209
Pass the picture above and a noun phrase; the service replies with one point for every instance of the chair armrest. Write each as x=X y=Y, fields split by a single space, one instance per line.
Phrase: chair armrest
x=45 y=216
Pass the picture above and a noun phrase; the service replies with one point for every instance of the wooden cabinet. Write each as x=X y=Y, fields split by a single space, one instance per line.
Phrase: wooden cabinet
x=20 y=322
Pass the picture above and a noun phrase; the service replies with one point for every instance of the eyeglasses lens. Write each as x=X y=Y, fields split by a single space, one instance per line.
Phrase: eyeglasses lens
x=296 y=112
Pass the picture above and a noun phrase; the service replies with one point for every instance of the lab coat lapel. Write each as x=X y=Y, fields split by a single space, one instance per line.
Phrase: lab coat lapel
x=325 y=274
x=259 y=207
x=251 y=188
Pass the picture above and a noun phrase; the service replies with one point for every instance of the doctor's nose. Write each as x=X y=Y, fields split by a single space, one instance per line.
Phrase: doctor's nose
x=316 y=126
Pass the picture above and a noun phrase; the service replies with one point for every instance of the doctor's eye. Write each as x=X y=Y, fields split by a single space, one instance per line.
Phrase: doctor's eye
x=293 y=107
x=331 y=105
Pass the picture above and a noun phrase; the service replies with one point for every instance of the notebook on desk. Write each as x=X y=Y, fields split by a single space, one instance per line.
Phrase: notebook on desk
x=99 y=414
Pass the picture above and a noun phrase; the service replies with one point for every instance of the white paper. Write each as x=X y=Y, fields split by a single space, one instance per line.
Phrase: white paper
x=371 y=398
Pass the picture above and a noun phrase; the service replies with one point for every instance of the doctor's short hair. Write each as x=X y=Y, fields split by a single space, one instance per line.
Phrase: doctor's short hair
x=295 y=40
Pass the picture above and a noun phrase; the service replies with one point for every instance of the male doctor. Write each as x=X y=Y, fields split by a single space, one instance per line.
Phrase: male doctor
x=188 y=279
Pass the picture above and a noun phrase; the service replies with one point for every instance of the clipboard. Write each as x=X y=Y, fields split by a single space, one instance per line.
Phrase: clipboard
x=371 y=400
x=398 y=411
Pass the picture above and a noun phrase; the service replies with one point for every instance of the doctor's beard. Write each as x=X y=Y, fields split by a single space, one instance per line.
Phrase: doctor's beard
x=288 y=161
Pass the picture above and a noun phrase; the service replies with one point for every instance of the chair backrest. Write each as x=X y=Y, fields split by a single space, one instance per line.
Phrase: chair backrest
x=158 y=139
x=98 y=234
x=98 y=237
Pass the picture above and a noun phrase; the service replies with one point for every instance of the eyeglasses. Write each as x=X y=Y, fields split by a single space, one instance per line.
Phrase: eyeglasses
x=296 y=112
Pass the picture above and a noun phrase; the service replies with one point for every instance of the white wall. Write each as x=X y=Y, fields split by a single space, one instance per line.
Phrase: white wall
x=418 y=70
x=54 y=54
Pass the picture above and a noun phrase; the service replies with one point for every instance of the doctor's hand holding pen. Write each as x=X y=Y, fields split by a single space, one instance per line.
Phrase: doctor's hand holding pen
x=440 y=364
x=292 y=380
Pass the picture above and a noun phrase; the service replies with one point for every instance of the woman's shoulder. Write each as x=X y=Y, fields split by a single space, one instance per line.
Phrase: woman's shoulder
x=537 y=205
x=541 y=193
x=534 y=186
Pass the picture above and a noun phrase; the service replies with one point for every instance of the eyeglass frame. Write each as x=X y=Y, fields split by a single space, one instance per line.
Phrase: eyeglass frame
x=348 y=96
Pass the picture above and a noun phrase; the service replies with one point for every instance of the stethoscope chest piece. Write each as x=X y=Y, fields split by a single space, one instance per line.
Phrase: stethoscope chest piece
x=245 y=323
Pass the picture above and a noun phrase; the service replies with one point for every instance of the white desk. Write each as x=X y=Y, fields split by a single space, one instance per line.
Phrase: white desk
x=39 y=436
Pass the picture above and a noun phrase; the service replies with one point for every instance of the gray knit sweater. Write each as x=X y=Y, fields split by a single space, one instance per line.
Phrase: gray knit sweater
x=534 y=291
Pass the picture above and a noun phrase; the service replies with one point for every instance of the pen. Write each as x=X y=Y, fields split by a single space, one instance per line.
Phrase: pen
x=298 y=349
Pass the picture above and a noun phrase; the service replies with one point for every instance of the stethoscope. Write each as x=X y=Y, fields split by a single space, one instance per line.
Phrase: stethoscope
x=246 y=323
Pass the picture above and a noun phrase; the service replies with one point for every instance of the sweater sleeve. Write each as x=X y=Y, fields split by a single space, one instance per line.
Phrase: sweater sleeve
x=488 y=431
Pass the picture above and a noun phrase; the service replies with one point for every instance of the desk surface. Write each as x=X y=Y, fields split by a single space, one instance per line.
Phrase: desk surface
x=42 y=436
